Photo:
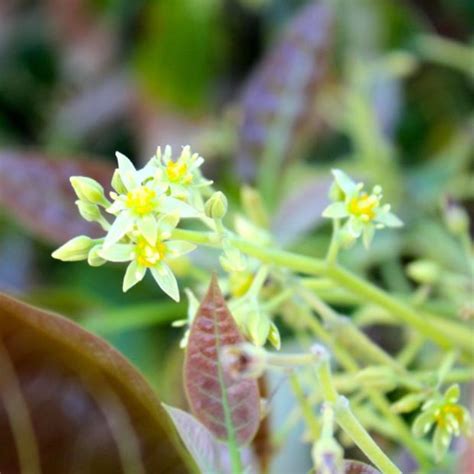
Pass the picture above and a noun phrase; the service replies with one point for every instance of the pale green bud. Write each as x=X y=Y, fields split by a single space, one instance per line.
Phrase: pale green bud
x=456 y=218
x=216 y=206
x=117 y=183
x=94 y=259
x=424 y=271
x=89 y=190
x=328 y=456
x=408 y=403
x=75 y=249
x=89 y=212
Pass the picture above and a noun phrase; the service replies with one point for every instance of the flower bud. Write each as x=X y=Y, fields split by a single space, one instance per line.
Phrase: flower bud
x=216 y=206
x=89 y=212
x=424 y=271
x=243 y=360
x=328 y=456
x=94 y=259
x=408 y=403
x=89 y=190
x=456 y=218
x=76 y=249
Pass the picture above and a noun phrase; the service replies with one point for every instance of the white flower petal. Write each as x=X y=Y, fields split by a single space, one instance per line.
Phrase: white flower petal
x=336 y=210
x=176 y=248
x=147 y=172
x=344 y=182
x=117 y=253
x=389 y=219
x=166 y=280
x=133 y=275
x=128 y=173
x=171 y=205
x=148 y=227
x=122 y=224
x=117 y=206
x=166 y=223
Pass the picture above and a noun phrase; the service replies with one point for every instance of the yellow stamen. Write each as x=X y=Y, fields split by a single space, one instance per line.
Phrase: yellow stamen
x=451 y=409
x=178 y=171
x=149 y=255
x=141 y=200
x=364 y=206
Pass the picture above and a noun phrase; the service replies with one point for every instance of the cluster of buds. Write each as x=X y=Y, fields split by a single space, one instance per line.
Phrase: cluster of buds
x=362 y=212
x=146 y=205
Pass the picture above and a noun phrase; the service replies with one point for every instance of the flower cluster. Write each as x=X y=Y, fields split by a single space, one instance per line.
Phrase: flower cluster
x=146 y=205
x=447 y=415
x=363 y=212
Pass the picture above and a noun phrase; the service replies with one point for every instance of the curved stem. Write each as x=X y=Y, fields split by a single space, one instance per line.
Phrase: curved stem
x=313 y=266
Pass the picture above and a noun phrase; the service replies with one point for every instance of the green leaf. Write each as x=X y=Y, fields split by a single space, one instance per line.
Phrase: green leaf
x=71 y=403
x=229 y=408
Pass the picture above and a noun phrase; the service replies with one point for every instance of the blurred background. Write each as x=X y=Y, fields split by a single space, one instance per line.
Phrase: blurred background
x=273 y=93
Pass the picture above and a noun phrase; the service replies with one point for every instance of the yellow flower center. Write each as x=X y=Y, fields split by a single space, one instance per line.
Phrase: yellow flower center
x=141 y=200
x=450 y=409
x=364 y=206
x=177 y=172
x=149 y=255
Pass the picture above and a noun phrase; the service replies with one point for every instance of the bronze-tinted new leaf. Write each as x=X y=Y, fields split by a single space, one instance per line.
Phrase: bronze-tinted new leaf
x=357 y=467
x=208 y=386
x=36 y=191
x=70 y=403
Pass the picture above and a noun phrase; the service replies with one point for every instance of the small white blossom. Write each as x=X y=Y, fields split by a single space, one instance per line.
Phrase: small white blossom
x=182 y=175
x=363 y=212
x=144 y=200
x=147 y=204
x=144 y=256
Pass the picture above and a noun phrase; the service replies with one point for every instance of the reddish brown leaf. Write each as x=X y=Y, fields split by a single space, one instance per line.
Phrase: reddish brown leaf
x=70 y=403
x=36 y=192
x=206 y=382
x=357 y=467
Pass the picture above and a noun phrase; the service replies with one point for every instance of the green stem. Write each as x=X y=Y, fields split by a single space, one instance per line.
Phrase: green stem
x=349 y=423
x=334 y=245
x=399 y=310
x=311 y=420
x=348 y=280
